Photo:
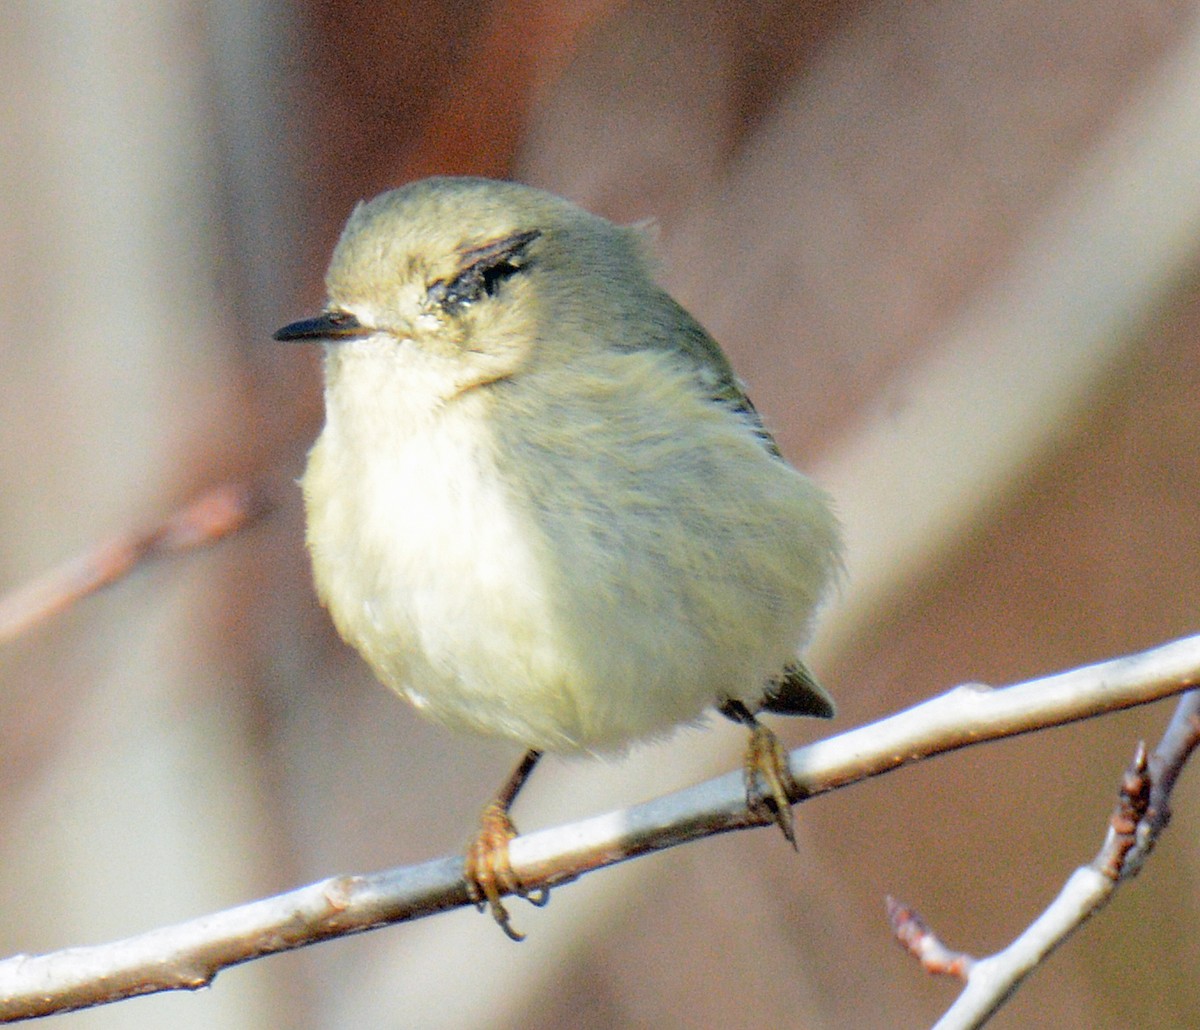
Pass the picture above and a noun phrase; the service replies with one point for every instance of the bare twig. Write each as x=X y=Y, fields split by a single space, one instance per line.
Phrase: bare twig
x=1180 y=739
x=918 y=939
x=191 y=954
x=214 y=514
x=1141 y=814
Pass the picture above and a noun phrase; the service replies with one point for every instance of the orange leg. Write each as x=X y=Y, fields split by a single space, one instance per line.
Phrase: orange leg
x=488 y=872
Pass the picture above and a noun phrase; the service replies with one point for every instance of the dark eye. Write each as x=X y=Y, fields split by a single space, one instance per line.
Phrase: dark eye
x=483 y=269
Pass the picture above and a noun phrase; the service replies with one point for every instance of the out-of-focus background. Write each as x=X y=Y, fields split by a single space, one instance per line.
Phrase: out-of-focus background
x=954 y=250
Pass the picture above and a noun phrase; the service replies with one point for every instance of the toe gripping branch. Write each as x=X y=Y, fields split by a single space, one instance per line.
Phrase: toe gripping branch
x=487 y=869
x=770 y=787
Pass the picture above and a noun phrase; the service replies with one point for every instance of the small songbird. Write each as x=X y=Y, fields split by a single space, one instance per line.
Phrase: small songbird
x=542 y=506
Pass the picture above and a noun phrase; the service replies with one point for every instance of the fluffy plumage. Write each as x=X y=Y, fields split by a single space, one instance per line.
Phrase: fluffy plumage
x=541 y=506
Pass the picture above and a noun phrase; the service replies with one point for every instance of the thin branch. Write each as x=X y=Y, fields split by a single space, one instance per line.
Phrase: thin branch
x=1141 y=814
x=191 y=954
x=213 y=515
x=918 y=939
x=1181 y=738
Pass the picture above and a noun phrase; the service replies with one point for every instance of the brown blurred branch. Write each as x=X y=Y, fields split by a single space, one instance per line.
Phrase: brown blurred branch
x=208 y=518
x=191 y=954
x=1142 y=813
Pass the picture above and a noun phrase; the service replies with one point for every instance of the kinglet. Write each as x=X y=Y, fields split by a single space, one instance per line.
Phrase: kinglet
x=541 y=506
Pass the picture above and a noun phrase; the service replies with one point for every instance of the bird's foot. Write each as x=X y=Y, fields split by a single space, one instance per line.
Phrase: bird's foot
x=489 y=873
x=766 y=763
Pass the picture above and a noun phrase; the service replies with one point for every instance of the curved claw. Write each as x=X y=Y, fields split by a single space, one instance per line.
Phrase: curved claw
x=538 y=898
x=766 y=758
x=487 y=869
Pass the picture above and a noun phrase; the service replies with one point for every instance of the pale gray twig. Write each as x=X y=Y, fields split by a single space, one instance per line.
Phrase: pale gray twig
x=191 y=954
x=1142 y=813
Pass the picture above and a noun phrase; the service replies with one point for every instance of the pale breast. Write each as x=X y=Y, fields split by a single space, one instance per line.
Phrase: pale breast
x=438 y=581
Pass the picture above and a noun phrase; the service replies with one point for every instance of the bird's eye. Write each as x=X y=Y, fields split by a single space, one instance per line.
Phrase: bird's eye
x=483 y=269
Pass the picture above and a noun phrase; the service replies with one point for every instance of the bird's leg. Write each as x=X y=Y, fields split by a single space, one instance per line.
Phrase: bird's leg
x=488 y=872
x=765 y=758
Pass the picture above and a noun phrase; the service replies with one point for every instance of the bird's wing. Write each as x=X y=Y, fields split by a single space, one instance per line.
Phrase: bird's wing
x=713 y=370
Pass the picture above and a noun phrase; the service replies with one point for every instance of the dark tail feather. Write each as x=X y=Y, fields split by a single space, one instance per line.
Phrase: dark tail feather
x=797 y=692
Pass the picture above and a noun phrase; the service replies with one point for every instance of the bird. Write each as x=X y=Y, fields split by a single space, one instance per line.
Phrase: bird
x=542 y=506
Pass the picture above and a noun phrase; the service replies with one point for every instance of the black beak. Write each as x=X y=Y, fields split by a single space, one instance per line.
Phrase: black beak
x=330 y=325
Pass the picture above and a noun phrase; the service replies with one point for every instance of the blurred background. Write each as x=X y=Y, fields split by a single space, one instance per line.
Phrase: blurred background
x=954 y=251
